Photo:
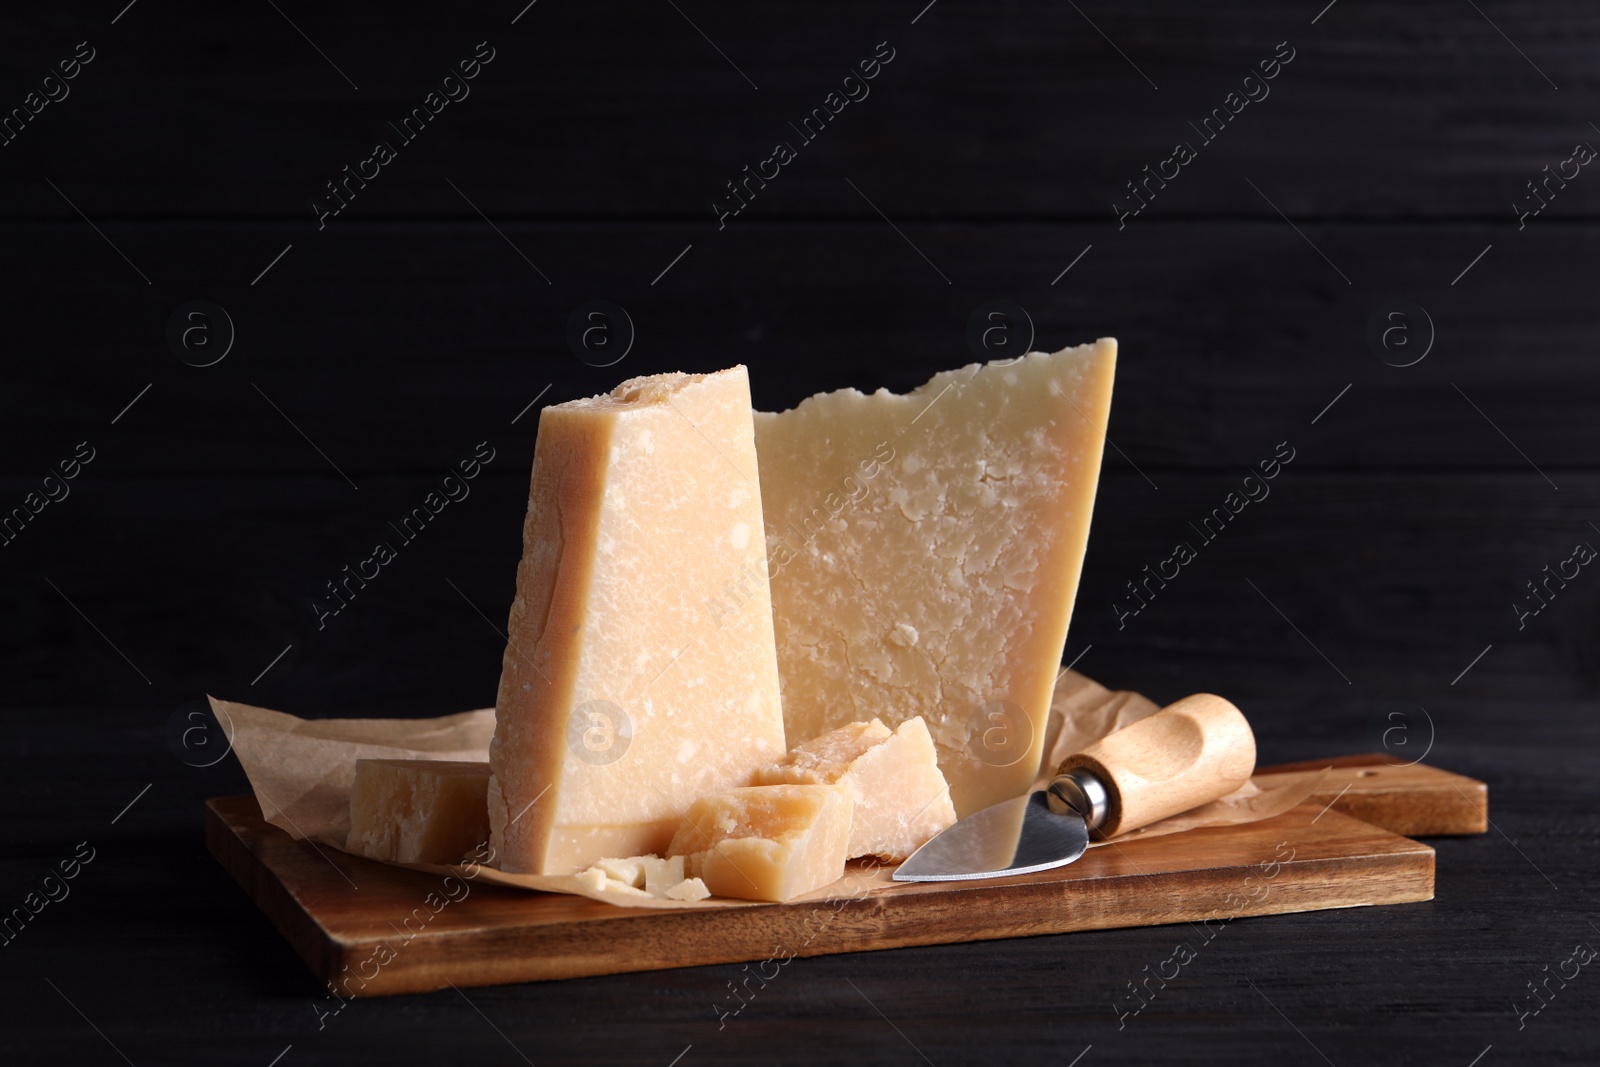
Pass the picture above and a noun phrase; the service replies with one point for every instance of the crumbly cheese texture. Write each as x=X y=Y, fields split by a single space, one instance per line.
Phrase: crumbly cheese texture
x=640 y=671
x=690 y=889
x=649 y=876
x=771 y=842
x=925 y=552
x=901 y=798
x=418 y=811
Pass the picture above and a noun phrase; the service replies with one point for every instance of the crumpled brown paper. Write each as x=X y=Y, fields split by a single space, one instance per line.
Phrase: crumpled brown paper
x=302 y=771
x=1083 y=711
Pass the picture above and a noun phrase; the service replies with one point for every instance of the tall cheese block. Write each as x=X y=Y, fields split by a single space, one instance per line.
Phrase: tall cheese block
x=640 y=671
x=925 y=551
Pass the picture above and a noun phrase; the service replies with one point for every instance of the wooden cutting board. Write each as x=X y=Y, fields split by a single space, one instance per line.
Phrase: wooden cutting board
x=1319 y=855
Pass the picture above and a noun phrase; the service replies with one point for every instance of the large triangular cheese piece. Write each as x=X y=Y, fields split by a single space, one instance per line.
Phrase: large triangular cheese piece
x=925 y=552
x=640 y=672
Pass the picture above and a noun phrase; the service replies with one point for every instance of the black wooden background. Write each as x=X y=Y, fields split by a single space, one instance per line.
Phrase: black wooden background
x=1367 y=603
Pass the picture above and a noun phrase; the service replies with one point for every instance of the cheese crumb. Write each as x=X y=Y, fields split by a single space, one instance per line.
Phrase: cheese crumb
x=645 y=876
x=688 y=889
x=629 y=872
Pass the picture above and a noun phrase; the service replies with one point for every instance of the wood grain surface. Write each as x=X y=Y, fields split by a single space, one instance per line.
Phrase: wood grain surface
x=367 y=928
x=1030 y=109
x=1405 y=798
x=1367 y=605
x=344 y=915
x=1234 y=334
x=1399 y=579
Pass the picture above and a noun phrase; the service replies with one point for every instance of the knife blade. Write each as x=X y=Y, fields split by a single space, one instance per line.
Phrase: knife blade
x=1187 y=754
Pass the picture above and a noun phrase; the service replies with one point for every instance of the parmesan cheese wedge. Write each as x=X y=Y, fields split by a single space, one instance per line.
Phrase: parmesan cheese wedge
x=925 y=551
x=901 y=799
x=418 y=810
x=772 y=842
x=640 y=671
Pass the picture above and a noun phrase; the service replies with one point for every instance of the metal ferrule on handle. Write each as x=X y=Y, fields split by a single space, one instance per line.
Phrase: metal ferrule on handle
x=1079 y=791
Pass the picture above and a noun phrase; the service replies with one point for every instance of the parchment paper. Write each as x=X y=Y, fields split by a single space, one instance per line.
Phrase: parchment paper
x=302 y=771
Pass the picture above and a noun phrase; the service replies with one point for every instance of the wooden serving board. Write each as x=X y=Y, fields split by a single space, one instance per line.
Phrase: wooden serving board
x=344 y=915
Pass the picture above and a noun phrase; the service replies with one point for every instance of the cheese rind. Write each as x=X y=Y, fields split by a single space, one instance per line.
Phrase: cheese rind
x=901 y=798
x=925 y=551
x=640 y=671
x=772 y=842
x=418 y=811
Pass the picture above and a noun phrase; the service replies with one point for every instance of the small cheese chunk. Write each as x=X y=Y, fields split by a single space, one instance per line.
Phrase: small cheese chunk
x=660 y=875
x=651 y=873
x=592 y=878
x=901 y=798
x=771 y=842
x=644 y=876
x=599 y=879
x=418 y=811
x=688 y=889
x=628 y=871
x=640 y=671
x=925 y=551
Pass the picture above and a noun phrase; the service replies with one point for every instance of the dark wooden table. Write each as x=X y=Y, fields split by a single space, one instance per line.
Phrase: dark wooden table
x=1348 y=259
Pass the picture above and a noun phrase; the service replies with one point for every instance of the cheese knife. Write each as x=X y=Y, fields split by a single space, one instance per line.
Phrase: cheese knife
x=1187 y=754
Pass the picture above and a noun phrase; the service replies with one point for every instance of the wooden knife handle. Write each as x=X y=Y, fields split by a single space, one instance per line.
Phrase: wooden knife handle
x=1187 y=754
